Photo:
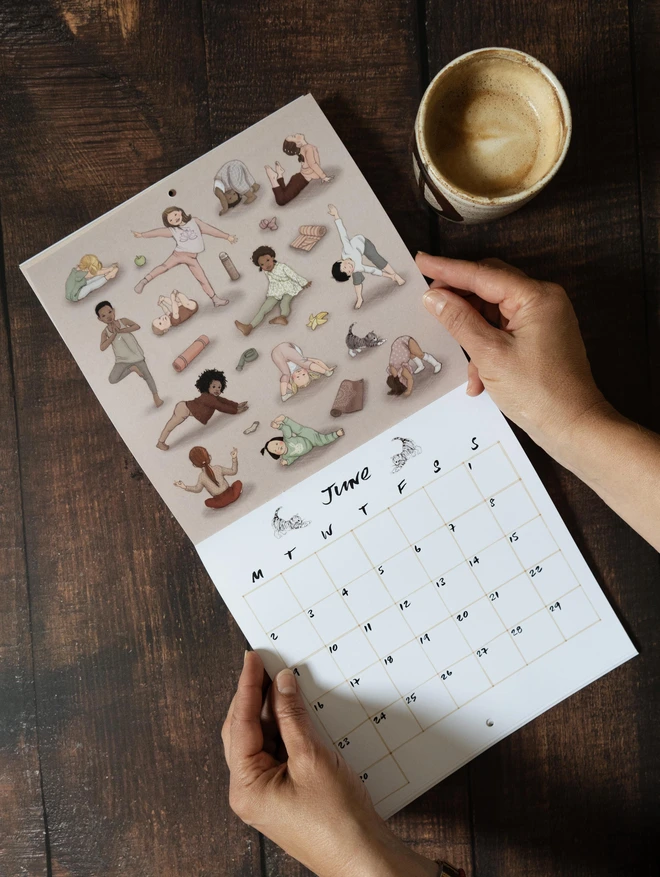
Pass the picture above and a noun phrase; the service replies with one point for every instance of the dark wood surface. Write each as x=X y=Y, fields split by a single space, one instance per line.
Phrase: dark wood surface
x=117 y=657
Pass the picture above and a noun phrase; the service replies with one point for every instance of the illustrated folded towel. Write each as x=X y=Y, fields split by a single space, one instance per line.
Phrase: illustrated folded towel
x=248 y=355
x=349 y=398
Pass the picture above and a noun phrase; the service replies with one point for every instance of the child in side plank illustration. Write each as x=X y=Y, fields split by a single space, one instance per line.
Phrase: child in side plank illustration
x=212 y=479
x=88 y=275
x=176 y=308
x=129 y=356
x=296 y=440
x=284 y=284
x=353 y=253
x=211 y=385
x=296 y=370
x=234 y=183
x=188 y=232
x=406 y=360
x=310 y=169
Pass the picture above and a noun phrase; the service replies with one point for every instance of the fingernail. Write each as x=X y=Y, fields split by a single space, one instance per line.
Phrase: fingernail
x=422 y=253
x=434 y=301
x=245 y=654
x=286 y=682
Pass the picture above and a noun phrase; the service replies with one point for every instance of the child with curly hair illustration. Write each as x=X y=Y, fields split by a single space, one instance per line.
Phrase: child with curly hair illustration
x=211 y=385
x=212 y=479
x=310 y=169
x=296 y=370
x=283 y=285
x=188 y=232
x=88 y=275
x=234 y=184
x=296 y=440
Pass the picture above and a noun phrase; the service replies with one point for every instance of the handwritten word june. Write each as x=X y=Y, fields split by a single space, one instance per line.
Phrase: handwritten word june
x=335 y=489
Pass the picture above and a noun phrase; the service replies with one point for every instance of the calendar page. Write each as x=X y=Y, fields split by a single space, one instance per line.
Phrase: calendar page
x=253 y=326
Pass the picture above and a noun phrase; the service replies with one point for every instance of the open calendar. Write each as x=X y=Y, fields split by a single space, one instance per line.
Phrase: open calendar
x=253 y=326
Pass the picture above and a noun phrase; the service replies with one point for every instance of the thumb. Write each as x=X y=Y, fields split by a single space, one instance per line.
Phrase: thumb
x=463 y=323
x=293 y=721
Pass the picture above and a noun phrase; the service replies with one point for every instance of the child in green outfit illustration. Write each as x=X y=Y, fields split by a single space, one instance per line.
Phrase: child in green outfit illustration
x=296 y=440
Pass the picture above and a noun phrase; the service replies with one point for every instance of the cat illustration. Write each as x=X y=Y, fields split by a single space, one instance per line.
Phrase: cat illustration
x=281 y=526
x=357 y=345
x=408 y=449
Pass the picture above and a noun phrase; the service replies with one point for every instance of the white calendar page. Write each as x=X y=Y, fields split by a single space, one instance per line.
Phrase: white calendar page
x=429 y=607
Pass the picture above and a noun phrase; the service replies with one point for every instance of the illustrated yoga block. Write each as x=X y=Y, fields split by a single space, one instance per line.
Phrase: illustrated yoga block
x=184 y=359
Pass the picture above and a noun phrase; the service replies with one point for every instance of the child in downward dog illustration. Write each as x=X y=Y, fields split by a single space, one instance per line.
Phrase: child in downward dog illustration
x=296 y=370
x=212 y=479
x=406 y=360
x=283 y=285
x=211 y=385
x=296 y=440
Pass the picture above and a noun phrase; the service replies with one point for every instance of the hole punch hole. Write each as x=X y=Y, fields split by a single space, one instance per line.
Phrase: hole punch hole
x=490 y=723
x=172 y=193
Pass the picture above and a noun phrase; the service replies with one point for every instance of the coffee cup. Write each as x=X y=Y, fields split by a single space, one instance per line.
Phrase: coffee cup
x=492 y=129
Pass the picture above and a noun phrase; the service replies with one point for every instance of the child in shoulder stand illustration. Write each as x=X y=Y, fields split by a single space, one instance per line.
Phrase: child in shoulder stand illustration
x=129 y=356
x=406 y=360
x=296 y=440
x=283 y=285
x=188 y=232
x=212 y=479
x=353 y=253
x=211 y=385
x=234 y=183
x=296 y=370
x=176 y=308
x=310 y=169
x=88 y=275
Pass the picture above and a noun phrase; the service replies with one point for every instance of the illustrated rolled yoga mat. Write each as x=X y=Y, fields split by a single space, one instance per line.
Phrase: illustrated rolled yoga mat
x=309 y=237
x=184 y=359
x=349 y=398
x=229 y=266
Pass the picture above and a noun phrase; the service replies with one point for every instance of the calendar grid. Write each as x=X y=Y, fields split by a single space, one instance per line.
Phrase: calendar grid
x=470 y=645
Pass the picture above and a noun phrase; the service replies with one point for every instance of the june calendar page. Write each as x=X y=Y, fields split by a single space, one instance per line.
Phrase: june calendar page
x=253 y=327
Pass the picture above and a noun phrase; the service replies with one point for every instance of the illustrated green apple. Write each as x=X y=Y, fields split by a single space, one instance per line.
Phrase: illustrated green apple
x=140 y=261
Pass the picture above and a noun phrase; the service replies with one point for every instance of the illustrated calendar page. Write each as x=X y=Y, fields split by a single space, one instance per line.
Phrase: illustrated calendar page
x=253 y=326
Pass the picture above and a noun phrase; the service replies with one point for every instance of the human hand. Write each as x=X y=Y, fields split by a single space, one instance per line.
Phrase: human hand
x=534 y=365
x=180 y=484
x=286 y=783
x=332 y=210
x=234 y=453
x=137 y=234
x=327 y=178
x=232 y=239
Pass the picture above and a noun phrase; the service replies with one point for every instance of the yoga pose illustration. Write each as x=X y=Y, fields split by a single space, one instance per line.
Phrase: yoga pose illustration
x=88 y=275
x=176 y=308
x=353 y=253
x=296 y=370
x=406 y=360
x=234 y=184
x=212 y=479
x=188 y=232
x=211 y=385
x=310 y=169
x=296 y=440
x=283 y=285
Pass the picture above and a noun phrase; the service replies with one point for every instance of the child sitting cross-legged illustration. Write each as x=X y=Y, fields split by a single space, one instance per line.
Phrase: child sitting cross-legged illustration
x=212 y=479
x=283 y=285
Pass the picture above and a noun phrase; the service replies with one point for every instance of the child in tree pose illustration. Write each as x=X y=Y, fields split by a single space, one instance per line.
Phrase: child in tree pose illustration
x=353 y=253
x=88 y=275
x=407 y=359
x=310 y=169
x=283 y=285
x=212 y=479
x=188 y=232
x=211 y=385
x=296 y=440
x=129 y=356
x=234 y=183
x=296 y=370
x=176 y=308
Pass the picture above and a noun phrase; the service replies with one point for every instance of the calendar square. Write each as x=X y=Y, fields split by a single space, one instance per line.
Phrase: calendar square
x=353 y=652
x=492 y=470
x=396 y=725
x=424 y=608
x=533 y=543
x=403 y=573
x=573 y=612
x=497 y=564
x=466 y=680
x=439 y=552
x=273 y=603
x=387 y=631
x=409 y=666
x=454 y=493
x=296 y=639
x=344 y=560
x=536 y=635
x=475 y=530
x=513 y=507
x=430 y=702
x=459 y=587
x=362 y=747
x=308 y=581
x=444 y=645
x=417 y=516
x=374 y=688
x=339 y=711
x=383 y=779
x=331 y=618
x=479 y=623
x=317 y=674
x=381 y=537
x=516 y=600
x=553 y=578
x=366 y=596
x=500 y=658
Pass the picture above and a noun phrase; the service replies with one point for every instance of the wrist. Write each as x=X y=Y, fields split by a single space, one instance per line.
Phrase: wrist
x=379 y=853
x=574 y=446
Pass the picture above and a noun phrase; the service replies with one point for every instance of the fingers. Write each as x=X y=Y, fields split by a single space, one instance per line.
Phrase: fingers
x=296 y=729
x=245 y=731
x=492 y=279
x=474 y=386
x=463 y=322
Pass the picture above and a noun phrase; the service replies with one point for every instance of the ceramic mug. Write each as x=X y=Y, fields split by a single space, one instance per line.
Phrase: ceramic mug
x=492 y=129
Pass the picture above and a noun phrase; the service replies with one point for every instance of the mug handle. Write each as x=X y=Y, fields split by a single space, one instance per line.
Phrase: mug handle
x=447 y=209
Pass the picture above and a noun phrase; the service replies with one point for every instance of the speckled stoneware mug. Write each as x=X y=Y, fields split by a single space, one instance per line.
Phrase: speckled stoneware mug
x=491 y=131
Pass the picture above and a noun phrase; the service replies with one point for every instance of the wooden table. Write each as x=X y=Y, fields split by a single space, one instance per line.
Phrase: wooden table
x=117 y=657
